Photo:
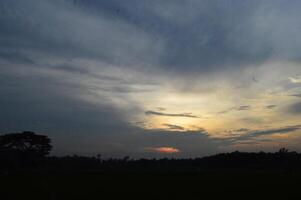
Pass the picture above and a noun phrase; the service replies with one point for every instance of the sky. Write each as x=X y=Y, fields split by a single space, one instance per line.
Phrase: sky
x=152 y=78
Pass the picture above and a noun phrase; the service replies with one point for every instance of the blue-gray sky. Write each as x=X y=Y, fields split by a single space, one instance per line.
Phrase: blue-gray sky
x=152 y=78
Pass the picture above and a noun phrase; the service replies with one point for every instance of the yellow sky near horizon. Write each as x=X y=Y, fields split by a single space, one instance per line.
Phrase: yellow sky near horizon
x=261 y=103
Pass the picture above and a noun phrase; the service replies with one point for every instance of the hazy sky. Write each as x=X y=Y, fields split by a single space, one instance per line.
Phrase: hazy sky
x=152 y=78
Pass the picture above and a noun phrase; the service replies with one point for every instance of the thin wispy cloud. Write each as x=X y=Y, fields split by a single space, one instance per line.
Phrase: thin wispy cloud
x=295 y=79
x=251 y=134
x=242 y=108
x=271 y=106
x=241 y=130
x=295 y=95
x=189 y=115
x=174 y=127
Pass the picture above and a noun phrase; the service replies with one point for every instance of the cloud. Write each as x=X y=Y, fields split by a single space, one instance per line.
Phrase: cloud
x=283 y=130
x=271 y=106
x=252 y=134
x=164 y=150
x=242 y=108
x=60 y=28
x=237 y=130
x=28 y=107
x=294 y=108
x=174 y=127
x=295 y=95
x=76 y=69
x=227 y=110
x=77 y=123
x=153 y=34
x=189 y=115
x=223 y=112
x=255 y=120
x=295 y=79
x=161 y=109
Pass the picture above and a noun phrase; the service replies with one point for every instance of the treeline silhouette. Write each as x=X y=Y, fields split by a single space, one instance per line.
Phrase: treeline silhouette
x=27 y=171
x=27 y=150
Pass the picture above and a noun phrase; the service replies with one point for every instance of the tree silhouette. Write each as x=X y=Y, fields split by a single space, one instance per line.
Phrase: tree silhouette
x=26 y=142
x=283 y=150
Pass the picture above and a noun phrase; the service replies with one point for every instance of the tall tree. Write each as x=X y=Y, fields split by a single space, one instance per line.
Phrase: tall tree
x=26 y=143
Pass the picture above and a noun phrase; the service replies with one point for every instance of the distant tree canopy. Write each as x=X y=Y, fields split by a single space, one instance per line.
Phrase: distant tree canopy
x=25 y=143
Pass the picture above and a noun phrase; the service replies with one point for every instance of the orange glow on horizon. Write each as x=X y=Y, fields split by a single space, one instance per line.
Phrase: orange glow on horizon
x=167 y=150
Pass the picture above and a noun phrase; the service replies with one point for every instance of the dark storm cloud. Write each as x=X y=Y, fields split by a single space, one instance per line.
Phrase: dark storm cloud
x=189 y=115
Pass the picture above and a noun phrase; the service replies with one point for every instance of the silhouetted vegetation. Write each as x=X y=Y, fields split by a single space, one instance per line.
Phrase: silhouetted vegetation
x=23 y=150
x=27 y=170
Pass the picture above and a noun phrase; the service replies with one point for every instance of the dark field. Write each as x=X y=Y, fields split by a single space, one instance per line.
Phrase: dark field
x=234 y=183
x=28 y=172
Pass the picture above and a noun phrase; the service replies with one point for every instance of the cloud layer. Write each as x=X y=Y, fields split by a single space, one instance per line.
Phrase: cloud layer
x=88 y=72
